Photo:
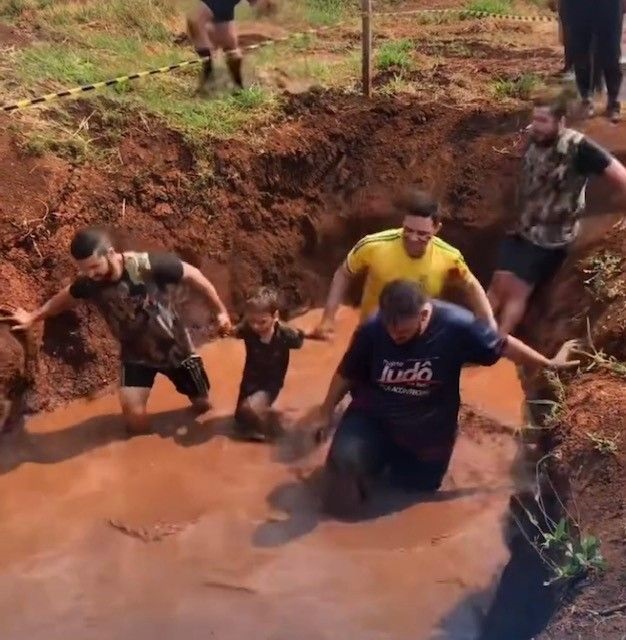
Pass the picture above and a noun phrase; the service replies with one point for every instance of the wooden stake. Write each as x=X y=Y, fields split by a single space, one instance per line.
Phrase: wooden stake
x=366 y=14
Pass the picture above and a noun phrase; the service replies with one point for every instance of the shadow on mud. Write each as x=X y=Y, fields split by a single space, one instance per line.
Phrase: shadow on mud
x=51 y=447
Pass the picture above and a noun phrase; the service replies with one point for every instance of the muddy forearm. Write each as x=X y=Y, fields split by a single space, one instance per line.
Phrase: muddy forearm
x=479 y=302
x=338 y=288
x=60 y=302
x=195 y=277
x=337 y=389
x=522 y=354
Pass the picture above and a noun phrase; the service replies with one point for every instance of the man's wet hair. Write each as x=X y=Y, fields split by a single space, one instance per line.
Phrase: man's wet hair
x=263 y=300
x=413 y=201
x=557 y=105
x=400 y=300
x=88 y=242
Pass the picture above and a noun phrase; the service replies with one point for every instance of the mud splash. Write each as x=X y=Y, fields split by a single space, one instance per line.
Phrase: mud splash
x=246 y=551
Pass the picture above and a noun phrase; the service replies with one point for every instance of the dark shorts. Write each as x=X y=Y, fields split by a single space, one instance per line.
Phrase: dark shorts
x=189 y=378
x=363 y=447
x=529 y=262
x=222 y=10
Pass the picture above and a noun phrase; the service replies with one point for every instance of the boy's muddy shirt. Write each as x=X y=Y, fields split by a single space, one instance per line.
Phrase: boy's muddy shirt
x=266 y=363
x=140 y=309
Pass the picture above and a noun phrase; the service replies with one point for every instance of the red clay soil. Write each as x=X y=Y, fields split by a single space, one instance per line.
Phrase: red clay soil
x=282 y=215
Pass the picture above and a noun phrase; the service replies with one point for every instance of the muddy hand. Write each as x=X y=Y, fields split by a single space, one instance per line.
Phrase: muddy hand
x=324 y=332
x=224 y=324
x=562 y=359
x=21 y=319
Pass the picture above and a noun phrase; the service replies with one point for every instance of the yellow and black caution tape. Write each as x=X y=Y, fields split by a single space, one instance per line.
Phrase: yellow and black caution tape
x=468 y=13
x=461 y=13
x=51 y=97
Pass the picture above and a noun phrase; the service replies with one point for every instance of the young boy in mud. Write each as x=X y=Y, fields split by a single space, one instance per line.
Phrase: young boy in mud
x=268 y=343
x=212 y=23
x=134 y=292
x=415 y=252
x=551 y=200
x=403 y=368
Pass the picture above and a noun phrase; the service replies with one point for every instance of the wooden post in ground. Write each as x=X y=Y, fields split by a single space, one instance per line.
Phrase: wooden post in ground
x=366 y=17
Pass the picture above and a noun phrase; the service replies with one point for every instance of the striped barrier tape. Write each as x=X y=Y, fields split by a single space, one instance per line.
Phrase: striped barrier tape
x=51 y=97
x=468 y=13
x=462 y=13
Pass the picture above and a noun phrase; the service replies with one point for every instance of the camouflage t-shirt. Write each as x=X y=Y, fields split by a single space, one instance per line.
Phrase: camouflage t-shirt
x=552 y=188
x=140 y=309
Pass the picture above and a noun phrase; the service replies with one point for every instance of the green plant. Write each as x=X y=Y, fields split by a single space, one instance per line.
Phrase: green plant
x=499 y=7
x=598 y=359
x=520 y=87
x=604 y=269
x=394 y=54
x=569 y=553
x=602 y=444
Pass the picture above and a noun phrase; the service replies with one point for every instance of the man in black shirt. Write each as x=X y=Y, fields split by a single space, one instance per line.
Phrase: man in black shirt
x=268 y=343
x=551 y=200
x=135 y=293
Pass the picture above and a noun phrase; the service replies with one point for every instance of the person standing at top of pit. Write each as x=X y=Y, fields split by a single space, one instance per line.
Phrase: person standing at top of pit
x=551 y=199
x=599 y=20
x=134 y=292
x=413 y=252
x=212 y=22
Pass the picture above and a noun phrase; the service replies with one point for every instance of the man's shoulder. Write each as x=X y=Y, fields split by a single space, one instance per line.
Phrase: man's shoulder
x=381 y=238
x=445 y=249
x=452 y=314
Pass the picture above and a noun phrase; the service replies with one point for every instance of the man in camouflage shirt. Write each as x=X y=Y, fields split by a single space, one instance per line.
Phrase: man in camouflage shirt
x=551 y=200
x=136 y=295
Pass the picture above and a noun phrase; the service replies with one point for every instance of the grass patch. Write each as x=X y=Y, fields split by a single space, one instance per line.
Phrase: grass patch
x=395 y=54
x=499 y=7
x=602 y=444
x=603 y=271
x=521 y=87
x=398 y=84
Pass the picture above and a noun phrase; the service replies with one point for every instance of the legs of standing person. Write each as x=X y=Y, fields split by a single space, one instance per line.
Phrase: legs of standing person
x=199 y=27
x=581 y=21
x=135 y=387
x=609 y=34
x=225 y=34
x=358 y=453
x=564 y=37
x=511 y=295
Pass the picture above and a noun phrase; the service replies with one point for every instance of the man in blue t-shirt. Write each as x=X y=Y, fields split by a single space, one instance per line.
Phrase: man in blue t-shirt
x=403 y=370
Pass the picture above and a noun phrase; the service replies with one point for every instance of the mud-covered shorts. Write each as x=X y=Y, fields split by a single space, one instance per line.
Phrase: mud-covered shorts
x=528 y=261
x=189 y=377
x=222 y=10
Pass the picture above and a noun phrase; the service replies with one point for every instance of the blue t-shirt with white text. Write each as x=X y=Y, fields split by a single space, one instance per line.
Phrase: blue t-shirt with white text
x=413 y=388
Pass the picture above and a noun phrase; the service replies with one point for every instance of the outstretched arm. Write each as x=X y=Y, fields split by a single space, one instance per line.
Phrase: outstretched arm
x=194 y=276
x=478 y=301
x=522 y=354
x=338 y=288
x=23 y=320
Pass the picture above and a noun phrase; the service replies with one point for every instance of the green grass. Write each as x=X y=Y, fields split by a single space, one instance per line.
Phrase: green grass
x=521 y=87
x=499 y=7
x=395 y=54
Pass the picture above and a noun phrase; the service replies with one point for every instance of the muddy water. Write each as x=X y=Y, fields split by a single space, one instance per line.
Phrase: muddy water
x=244 y=549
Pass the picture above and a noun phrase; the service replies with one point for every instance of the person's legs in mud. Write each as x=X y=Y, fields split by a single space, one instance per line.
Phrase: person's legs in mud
x=134 y=402
x=199 y=28
x=255 y=419
x=357 y=455
x=191 y=380
x=510 y=295
x=564 y=38
x=609 y=51
x=420 y=471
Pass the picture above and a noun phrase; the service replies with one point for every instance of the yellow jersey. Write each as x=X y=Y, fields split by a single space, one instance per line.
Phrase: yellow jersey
x=384 y=257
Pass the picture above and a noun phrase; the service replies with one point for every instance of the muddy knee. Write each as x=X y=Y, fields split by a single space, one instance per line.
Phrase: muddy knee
x=350 y=456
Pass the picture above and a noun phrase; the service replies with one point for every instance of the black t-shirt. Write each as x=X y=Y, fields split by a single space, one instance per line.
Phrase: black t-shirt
x=266 y=363
x=592 y=159
x=140 y=308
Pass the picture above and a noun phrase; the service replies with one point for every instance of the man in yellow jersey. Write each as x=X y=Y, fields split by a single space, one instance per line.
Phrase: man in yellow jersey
x=412 y=252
